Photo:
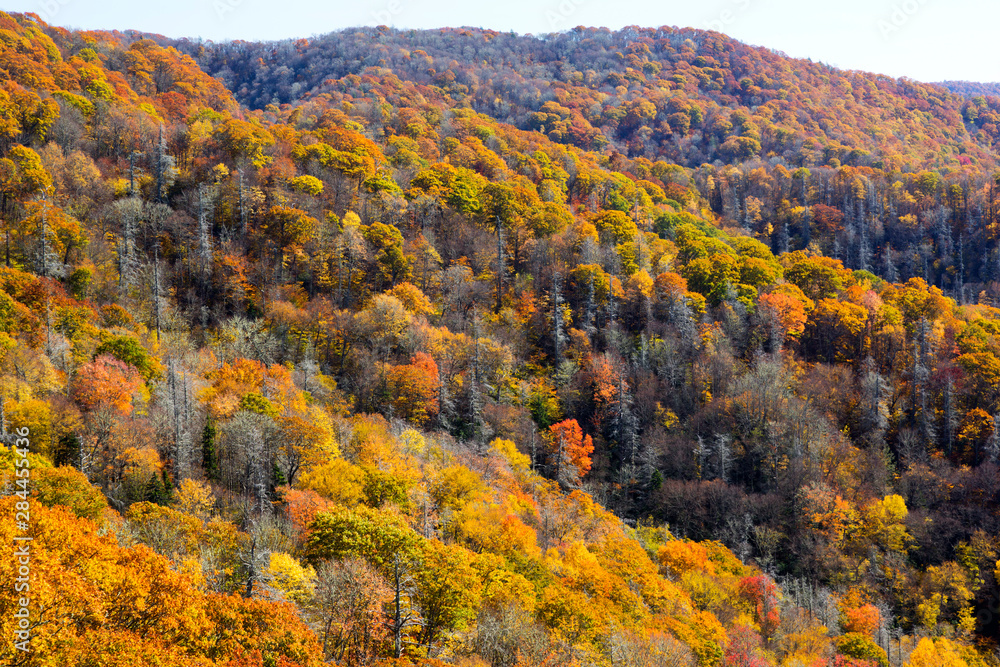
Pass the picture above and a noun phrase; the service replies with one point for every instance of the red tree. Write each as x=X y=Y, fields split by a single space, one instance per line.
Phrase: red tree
x=570 y=450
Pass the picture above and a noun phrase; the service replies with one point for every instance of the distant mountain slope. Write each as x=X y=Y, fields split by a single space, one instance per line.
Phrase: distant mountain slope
x=680 y=94
x=972 y=88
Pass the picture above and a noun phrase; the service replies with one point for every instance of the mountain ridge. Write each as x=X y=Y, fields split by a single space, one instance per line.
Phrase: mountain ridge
x=710 y=88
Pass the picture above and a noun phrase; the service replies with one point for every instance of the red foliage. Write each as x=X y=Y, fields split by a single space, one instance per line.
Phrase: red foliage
x=744 y=649
x=761 y=592
x=570 y=447
x=827 y=219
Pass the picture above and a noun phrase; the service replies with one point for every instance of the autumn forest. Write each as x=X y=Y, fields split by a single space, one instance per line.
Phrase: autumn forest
x=474 y=349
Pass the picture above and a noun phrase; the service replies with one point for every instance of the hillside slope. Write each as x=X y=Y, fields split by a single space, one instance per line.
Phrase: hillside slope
x=446 y=388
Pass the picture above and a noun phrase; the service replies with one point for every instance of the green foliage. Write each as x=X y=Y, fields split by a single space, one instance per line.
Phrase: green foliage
x=257 y=403
x=209 y=460
x=69 y=487
x=132 y=352
x=862 y=647
x=374 y=535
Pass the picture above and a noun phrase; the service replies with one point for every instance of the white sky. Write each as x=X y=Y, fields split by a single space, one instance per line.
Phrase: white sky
x=928 y=40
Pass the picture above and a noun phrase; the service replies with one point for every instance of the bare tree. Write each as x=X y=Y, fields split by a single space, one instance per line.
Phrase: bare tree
x=347 y=610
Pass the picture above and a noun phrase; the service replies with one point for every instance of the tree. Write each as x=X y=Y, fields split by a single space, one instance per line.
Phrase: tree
x=209 y=459
x=413 y=388
x=130 y=351
x=289 y=228
x=569 y=451
x=150 y=611
x=761 y=593
x=616 y=226
x=447 y=591
x=855 y=645
x=244 y=142
x=67 y=487
x=864 y=619
x=784 y=315
x=392 y=265
x=109 y=384
x=306 y=441
x=743 y=649
x=940 y=652
x=348 y=610
x=377 y=536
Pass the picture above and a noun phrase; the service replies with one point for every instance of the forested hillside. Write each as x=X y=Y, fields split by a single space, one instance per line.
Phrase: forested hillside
x=972 y=88
x=459 y=347
x=785 y=127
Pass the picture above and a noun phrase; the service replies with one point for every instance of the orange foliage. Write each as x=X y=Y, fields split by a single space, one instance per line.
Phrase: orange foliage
x=104 y=601
x=789 y=313
x=413 y=388
x=570 y=447
x=683 y=556
x=864 y=619
x=302 y=506
x=107 y=383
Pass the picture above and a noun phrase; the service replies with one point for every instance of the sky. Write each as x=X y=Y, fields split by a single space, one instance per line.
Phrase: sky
x=927 y=40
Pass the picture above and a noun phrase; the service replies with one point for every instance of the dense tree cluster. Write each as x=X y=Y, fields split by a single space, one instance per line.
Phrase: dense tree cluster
x=504 y=362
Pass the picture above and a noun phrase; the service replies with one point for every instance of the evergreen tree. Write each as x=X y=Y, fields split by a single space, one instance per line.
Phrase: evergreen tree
x=209 y=461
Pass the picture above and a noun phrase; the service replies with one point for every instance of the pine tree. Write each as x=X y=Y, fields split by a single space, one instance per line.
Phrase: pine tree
x=208 y=457
x=67 y=451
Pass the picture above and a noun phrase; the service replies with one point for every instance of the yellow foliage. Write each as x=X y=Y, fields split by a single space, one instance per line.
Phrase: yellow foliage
x=412 y=298
x=508 y=451
x=307 y=439
x=194 y=498
x=337 y=480
x=940 y=652
x=490 y=528
x=294 y=580
x=413 y=441
x=683 y=556
x=35 y=415
x=142 y=463
x=455 y=486
x=501 y=587
x=569 y=614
